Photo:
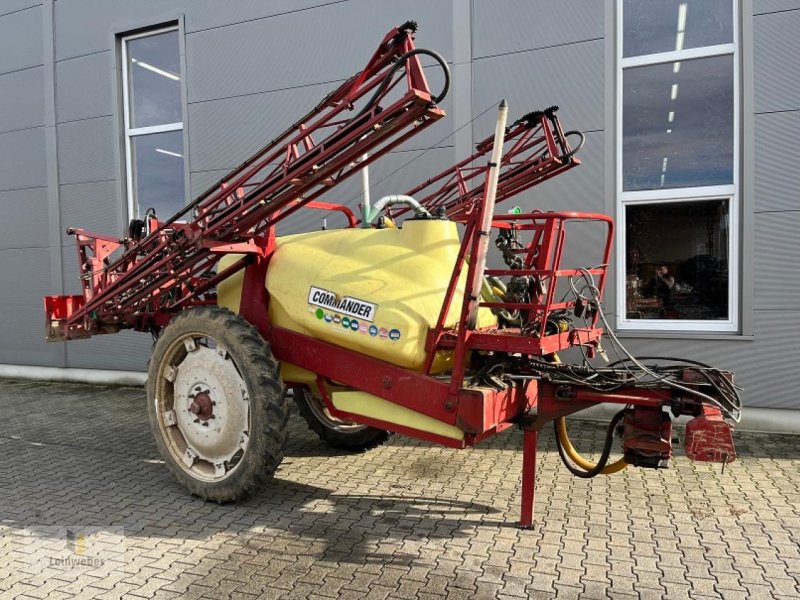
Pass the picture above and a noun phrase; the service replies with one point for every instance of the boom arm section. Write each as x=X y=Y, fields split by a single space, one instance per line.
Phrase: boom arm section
x=140 y=282
x=535 y=150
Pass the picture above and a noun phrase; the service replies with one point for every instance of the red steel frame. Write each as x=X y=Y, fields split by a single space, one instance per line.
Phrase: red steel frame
x=169 y=269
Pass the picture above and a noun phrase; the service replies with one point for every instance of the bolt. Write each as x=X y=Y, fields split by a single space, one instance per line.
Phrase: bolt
x=449 y=406
x=205 y=423
x=387 y=382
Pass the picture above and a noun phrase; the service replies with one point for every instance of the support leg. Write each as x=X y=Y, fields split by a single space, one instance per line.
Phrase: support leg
x=528 y=477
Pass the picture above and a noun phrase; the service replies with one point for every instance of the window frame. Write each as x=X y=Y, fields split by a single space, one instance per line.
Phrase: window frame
x=730 y=192
x=131 y=132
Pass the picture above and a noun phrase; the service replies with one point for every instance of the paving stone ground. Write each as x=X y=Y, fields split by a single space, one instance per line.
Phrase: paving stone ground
x=407 y=520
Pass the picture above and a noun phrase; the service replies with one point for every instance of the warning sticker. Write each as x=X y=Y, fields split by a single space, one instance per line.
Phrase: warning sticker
x=353 y=307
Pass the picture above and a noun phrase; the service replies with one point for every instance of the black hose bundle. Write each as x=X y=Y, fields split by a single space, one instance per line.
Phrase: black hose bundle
x=603 y=456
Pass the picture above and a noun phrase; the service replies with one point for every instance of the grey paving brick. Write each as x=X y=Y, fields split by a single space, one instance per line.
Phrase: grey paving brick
x=406 y=521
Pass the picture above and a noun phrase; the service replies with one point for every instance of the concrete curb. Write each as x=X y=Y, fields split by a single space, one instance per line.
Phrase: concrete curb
x=97 y=376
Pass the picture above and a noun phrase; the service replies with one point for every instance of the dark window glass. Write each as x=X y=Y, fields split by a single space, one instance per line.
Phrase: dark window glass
x=677 y=260
x=653 y=26
x=677 y=124
x=154 y=80
x=157 y=164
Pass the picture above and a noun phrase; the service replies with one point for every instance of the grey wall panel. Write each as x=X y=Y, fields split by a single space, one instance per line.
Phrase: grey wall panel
x=767 y=381
x=776 y=56
x=776 y=260
x=69 y=269
x=93 y=206
x=769 y=6
x=26 y=272
x=22 y=99
x=125 y=351
x=23 y=337
x=200 y=181
x=536 y=79
x=580 y=188
x=22 y=159
x=24 y=218
x=12 y=6
x=209 y=14
x=501 y=26
x=225 y=132
x=21 y=33
x=763 y=367
x=325 y=44
x=776 y=176
x=86 y=150
x=83 y=87
x=75 y=38
x=85 y=26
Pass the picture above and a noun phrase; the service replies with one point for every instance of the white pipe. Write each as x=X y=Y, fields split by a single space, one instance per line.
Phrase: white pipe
x=365 y=185
x=490 y=194
x=98 y=376
x=393 y=199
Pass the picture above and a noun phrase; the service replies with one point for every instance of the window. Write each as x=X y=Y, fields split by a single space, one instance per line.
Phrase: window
x=677 y=161
x=153 y=119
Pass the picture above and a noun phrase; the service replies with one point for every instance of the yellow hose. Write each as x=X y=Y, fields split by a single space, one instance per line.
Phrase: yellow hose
x=498 y=292
x=561 y=427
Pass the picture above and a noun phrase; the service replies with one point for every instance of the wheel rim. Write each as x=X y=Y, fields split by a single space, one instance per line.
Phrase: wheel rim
x=202 y=407
x=324 y=416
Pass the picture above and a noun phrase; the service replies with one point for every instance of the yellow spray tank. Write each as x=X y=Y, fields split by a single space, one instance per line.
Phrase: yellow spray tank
x=375 y=291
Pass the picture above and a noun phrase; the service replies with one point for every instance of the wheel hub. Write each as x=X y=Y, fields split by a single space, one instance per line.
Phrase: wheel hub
x=202 y=406
x=210 y=406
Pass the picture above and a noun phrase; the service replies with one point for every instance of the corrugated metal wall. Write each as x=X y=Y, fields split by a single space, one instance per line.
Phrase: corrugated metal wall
x=24 y=236
x=253 y=66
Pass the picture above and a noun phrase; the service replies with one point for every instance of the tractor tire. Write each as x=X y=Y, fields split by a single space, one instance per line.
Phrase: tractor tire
x=337 y=433
x=216 y=404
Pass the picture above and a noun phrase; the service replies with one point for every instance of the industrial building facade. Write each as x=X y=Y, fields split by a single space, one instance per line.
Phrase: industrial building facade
x=109 y=108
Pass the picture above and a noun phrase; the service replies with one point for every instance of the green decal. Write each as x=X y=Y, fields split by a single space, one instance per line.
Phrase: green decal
x=320 y=313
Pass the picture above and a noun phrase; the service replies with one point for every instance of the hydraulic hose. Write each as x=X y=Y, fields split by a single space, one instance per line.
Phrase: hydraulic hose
x=401 y=61
x=575 y=150
x=587 y=469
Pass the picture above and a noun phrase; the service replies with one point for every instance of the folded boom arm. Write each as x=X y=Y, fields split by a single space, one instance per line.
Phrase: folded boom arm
x=140 y=282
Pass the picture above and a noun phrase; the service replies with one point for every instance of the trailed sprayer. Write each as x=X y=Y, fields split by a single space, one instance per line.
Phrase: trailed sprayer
x=431 y=314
